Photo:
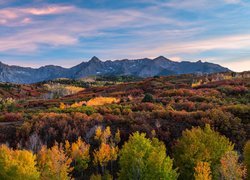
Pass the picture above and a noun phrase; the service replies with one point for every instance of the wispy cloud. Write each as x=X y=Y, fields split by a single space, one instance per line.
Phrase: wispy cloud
x=237 y=64
x=68 y=24
x=188 y=5
x=193 y=5
x=48 y=10
x=234 y=42
x=19 y=16
x=233 y=1
x=29 y=41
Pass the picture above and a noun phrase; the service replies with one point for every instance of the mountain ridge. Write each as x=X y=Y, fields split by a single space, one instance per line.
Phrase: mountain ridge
x=144 y=67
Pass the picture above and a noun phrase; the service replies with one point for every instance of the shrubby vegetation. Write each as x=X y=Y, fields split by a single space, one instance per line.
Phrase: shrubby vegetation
x=185 y=127
x=7 y=104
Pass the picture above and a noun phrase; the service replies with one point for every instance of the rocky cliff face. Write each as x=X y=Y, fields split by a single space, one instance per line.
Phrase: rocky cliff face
x=141 y=67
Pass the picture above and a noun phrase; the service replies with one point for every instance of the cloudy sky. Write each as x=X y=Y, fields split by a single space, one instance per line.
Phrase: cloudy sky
x=39 y=32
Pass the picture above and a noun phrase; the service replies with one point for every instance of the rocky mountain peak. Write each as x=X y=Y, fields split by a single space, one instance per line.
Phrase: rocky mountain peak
x=161 y=58
x=2 y=64
x=95 y=59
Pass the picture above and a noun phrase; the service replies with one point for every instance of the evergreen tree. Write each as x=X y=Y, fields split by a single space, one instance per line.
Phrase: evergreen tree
x=148 y=98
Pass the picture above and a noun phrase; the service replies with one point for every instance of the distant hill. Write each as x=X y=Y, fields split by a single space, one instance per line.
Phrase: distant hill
x=140 y=68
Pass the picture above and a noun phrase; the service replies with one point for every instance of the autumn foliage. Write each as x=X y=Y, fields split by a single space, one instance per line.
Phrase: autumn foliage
x=202 y=171
x=186 y=126
x=197 y=145
x=98 y=101
x=17 y=164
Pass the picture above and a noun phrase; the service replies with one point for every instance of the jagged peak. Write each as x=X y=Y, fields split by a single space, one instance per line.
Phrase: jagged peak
x=2 y=64
x=94 y=59
x=161 y=58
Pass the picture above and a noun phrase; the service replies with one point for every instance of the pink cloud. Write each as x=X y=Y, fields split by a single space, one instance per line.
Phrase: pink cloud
x=3 y=21
x=26 y=21
x=175 y=58
x=20 y=16
x=237 y=64
x=29 y=40
x=8 y=14
x=48 y=10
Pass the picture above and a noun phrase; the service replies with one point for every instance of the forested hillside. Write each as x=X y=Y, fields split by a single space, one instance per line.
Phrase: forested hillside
x=165 y=127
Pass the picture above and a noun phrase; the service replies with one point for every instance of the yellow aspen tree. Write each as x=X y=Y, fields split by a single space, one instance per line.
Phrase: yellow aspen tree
x=105 y=154
x=106 y=134
x=200 y=145
x=117 y=138
x=67 y=148
x=98 y=133
x=202 y=171
x=107 y=151
x=54 y=163
x=17 y=164
x=142 y=158
x=80 y=154
x=102 y=135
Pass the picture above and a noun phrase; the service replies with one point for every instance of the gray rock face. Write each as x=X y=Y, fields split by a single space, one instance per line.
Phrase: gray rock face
x=140 y=67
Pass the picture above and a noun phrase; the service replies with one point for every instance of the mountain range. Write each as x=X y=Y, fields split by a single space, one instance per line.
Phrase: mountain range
x=141 y=67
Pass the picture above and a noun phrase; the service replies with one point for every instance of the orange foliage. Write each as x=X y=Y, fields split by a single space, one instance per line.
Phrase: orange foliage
x=62 y=106
x=202 y=171
x=98 y=101
x=80 y=149
x=74 y=105
x=104 y=135
x=53 y=163
x=79 y=152
x=78 y=104
x=105 y=154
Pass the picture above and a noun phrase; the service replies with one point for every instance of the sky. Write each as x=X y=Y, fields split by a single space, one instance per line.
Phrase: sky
x=40 y=32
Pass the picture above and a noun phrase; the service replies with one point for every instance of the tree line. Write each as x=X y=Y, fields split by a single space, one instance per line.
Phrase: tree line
x=200 y=154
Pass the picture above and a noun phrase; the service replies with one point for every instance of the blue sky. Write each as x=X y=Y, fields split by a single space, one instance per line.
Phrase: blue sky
x=40 y=32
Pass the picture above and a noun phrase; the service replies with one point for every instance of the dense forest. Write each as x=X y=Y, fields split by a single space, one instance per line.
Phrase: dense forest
x=169 y=127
